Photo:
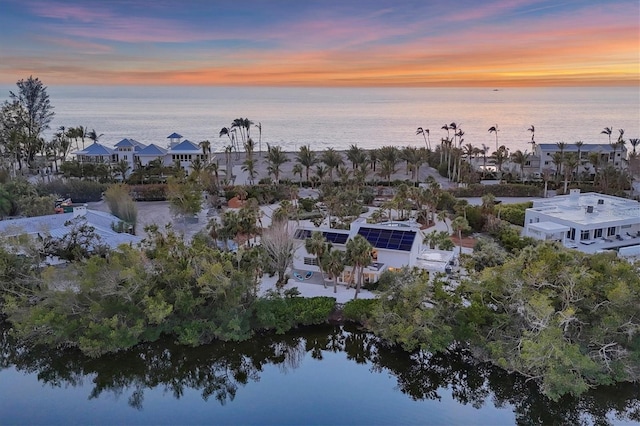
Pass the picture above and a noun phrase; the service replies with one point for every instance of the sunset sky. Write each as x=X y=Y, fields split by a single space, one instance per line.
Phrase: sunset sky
x=328 y=43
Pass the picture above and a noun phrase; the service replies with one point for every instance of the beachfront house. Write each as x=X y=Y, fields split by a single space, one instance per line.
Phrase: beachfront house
x=545 y=152
x=588 y=222
x=395 y=245
x=137 y=154
x=96 y=153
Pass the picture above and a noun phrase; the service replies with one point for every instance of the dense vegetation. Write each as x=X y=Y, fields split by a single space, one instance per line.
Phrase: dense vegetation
x=107 y=303
x=565 y=319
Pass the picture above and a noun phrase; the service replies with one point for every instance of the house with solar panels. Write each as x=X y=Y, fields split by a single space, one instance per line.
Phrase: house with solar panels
x=395 y=245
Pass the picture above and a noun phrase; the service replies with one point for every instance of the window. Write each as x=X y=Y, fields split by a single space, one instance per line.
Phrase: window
x=311 y=261
x=597 y=233
x=584 y=234
x=546 y=163
x=571 y=234
x=527 y=163
x=611 y=231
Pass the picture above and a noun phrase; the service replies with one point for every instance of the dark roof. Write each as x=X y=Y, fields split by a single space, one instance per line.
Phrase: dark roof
x=174 y=135
x=392 y=239
x=587 y=147
x=332 y=237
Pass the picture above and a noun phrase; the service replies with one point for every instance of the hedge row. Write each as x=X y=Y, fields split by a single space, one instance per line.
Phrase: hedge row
x=501 y=190
x=150 y=192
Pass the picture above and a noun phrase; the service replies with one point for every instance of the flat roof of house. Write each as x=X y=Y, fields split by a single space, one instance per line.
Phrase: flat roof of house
x=549 y=227
x=588 y=208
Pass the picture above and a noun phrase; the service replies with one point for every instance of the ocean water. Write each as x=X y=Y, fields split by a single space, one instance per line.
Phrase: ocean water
x=339 y=117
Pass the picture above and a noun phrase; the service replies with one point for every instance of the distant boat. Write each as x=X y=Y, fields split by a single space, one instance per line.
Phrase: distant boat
x=496 y=90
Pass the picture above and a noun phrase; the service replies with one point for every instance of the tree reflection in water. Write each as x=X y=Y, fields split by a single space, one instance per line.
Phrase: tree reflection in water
x=219 y=370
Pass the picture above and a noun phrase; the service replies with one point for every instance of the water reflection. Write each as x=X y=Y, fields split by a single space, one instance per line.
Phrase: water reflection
x=220 y=371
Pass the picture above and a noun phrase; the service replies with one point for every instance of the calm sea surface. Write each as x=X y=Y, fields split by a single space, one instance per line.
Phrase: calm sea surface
x=339 y=117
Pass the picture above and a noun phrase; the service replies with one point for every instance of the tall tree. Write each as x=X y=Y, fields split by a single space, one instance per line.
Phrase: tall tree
x=317 y=246
x=332 y=159
x=494 y=129
x=425 y=135
x=33 y=98
x=276 y=157
x=532 y=129
x=333 y=265
x=307 y=158
x=520 y=158
x=358 y=255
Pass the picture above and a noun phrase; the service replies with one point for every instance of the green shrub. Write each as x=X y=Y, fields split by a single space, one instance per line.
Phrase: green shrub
x=150 y=192
x=360 y=310
x=307 y=204
x=80 y=191
x=283 y=314
x=501 y=190
x=513 y=213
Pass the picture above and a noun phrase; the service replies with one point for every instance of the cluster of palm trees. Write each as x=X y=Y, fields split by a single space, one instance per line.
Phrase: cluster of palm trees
x=332 y=262
x=239 y=135
x=331 y=164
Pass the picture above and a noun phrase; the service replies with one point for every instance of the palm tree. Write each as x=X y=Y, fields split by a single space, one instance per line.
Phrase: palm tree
x=276 y=158
x=500 y=156
x=249 y=166
x=494 y=129
x=459 y=225
x=321 y=172
x=298 y=170
x=532 y=129
x=358 y=256
x=596 y=161
x=317 y=246
x=618 y=144
x=307 y=158
x=122 y=167
x=226 y=132
x=520 y=158
x=607 y=131
x=425 y=135
x=561 y=146
x=93 y=136
x=485 y=150
x=332 y=159
x=570 y=164
x=634 y=143
x=579 y=144
x=357 y=156
x=206 y=149
x=259 y=126
x=333 y=264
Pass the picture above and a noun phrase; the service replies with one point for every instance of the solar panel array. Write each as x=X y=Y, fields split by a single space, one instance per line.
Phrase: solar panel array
x=392 y=239
x=332 y=237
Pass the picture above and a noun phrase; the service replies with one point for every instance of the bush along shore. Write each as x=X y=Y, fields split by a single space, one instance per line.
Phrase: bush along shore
x=564 y=319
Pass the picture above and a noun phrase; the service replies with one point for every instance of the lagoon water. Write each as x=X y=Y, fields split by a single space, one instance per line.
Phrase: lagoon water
x=318 y=375
x=339 y=117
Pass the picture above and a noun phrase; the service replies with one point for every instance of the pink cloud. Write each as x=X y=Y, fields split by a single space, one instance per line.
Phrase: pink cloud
x=69 y=12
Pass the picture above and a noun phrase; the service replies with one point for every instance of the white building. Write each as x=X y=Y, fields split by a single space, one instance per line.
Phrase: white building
x=137 y=154
x=395 y=245
x=544 y=153
x=588 y=222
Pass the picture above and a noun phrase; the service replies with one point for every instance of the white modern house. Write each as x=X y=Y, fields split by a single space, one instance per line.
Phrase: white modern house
x=588 y=222
x=137 y=154
x=395 y=245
